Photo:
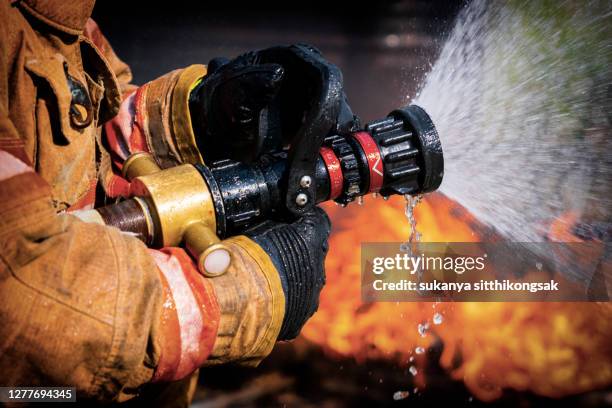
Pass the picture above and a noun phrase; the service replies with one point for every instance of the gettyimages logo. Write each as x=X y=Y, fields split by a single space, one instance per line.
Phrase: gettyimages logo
x=412 y=264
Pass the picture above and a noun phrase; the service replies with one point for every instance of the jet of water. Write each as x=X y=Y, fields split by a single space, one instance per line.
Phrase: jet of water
x=521 y=96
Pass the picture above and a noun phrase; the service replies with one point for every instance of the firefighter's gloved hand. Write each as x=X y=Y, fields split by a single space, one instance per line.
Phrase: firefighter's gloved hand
x=225 y=106
x=298 y=252
x=346 y=121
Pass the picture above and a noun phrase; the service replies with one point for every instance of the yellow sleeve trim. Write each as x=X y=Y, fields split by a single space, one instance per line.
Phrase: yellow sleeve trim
x=262 y=348
x=181 y=119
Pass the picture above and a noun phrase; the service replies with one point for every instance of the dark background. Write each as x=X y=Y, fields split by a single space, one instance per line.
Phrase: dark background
x=383 y=48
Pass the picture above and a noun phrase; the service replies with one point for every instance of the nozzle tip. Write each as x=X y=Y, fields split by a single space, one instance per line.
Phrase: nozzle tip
x=431 y=160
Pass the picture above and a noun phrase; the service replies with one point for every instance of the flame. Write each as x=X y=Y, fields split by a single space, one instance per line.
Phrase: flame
x=552 y=349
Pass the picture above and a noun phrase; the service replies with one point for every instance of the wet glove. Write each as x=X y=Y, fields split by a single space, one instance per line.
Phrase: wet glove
x=298 y=252
x=225 y=106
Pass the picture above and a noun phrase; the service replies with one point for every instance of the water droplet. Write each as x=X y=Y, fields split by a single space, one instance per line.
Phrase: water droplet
x=437 y=318
x=400 y=395
x=422 y=328
x=419 y=350
x=413 y=370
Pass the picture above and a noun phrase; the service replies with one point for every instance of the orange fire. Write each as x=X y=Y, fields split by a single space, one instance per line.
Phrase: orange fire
x=552 y=349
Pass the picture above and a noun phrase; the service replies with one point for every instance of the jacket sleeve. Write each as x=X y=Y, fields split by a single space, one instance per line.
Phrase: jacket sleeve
x=153 y=117
x=80 y=302
x=88 y=306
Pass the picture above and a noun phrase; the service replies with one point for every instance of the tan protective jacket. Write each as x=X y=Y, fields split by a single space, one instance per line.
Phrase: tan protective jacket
x=83 y=304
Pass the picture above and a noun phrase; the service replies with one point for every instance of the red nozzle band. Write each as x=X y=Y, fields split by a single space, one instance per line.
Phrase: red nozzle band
x=375 y=164
x=335 y=172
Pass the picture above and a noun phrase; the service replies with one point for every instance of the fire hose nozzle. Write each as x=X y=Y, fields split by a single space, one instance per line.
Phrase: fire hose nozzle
x=400 y=154
x=197 y=204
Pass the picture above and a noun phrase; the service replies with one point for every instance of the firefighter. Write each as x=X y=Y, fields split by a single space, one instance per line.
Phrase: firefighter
x=84 y=304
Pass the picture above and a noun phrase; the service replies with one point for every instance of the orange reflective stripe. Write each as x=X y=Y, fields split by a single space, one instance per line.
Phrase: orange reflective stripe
x=190 y=316
x=11 y=166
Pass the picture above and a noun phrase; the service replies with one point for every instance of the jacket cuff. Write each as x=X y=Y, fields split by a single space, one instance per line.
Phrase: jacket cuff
x=252 y=304
x=181 y=118
x=162 y=114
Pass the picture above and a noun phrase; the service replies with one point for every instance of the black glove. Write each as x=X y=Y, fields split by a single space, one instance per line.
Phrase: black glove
x=346 y=121
x=256 y=103
x=298 y=252
x=226 y=105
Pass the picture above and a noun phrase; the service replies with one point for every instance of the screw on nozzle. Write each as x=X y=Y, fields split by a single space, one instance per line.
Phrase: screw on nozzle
x=301 y=199
x=305 y=181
